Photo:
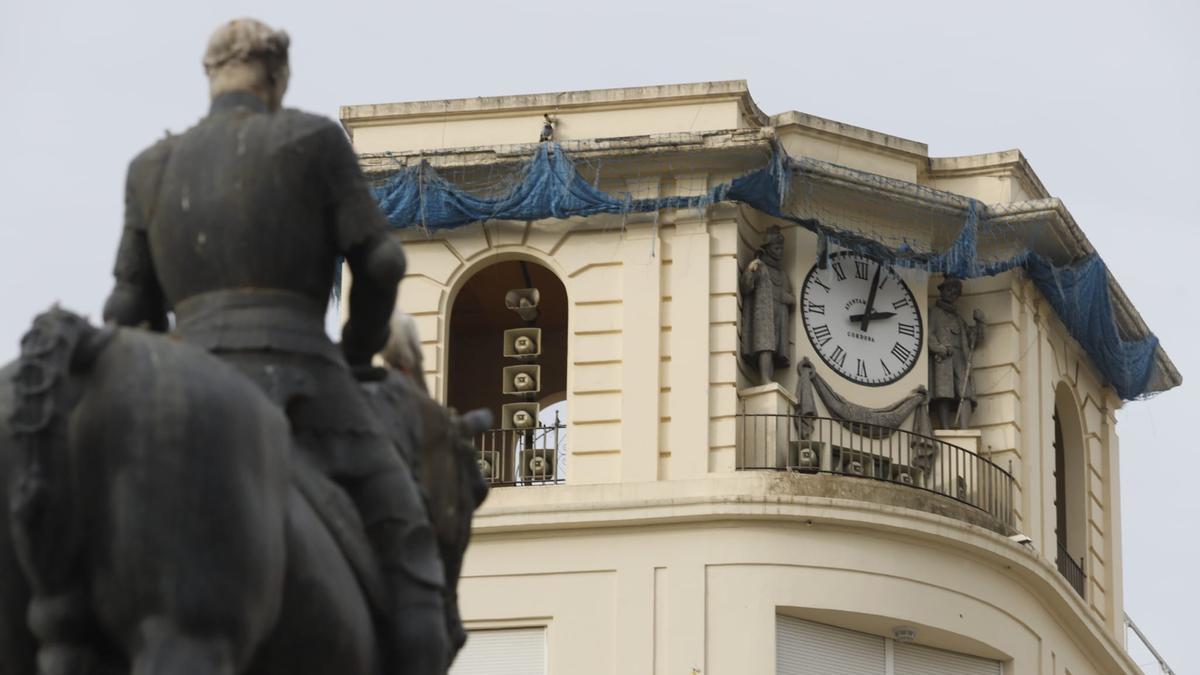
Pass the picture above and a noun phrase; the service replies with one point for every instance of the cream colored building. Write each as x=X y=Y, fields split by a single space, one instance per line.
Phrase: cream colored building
x=671 y=532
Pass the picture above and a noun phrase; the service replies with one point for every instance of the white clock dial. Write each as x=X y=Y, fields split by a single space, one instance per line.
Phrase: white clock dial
x=861 y=319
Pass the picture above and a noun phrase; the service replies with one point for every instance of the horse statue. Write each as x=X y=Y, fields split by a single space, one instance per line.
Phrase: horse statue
x=160 y=522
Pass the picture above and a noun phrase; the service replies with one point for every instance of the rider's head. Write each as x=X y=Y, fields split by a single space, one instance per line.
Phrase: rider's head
x=403 y=349
x=248 y=55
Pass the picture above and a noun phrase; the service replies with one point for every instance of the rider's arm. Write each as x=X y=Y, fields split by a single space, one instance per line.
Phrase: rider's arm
x=375 y=258
x=136 y=298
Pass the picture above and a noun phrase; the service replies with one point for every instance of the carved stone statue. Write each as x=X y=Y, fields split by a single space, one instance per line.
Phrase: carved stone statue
x=767 y=303
x=952 y=345
x=224 y=492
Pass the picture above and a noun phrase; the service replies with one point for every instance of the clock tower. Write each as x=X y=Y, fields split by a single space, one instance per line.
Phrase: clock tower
x=741 y=480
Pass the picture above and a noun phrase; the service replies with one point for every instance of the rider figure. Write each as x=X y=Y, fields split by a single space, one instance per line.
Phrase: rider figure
x=236 y=225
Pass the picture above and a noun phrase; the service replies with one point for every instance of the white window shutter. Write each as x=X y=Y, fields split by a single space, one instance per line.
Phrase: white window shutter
x=507 y=651
x=917 y=660
x=807 y=648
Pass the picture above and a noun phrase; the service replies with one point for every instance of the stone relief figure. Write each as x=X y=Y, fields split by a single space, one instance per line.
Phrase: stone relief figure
x=952 y=345
x=767 y=303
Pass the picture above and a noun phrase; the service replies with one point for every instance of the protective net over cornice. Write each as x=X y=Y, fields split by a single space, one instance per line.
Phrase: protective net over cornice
x=551 y=183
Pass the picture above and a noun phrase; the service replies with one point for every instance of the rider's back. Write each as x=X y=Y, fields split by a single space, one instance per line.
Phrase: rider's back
x=244 y=204
x=244 y=216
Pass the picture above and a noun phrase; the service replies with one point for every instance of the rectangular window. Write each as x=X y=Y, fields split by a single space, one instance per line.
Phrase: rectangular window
x=808 y=648
x=506 y=651
x=918 y=660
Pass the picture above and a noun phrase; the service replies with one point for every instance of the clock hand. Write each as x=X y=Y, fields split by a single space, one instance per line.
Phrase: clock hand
x=873 y=316
x=866 y=315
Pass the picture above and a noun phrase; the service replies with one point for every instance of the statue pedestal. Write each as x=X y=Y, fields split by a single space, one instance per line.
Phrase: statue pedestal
x=957 y=473
x=967 y=439
x=765 y=427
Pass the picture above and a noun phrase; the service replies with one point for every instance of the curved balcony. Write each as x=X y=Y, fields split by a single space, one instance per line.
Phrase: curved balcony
x=822 y=445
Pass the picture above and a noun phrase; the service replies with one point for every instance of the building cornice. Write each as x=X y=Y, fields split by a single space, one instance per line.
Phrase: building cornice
x=842 y=132
x=755 y=142
x=1007 y=162
x=591 y=99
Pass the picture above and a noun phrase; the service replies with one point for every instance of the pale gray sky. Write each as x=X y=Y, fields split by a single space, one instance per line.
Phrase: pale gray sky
x=1103 y=98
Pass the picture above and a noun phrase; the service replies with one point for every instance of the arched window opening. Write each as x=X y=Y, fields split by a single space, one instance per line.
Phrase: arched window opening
x=528 y=444
x=1070 y=497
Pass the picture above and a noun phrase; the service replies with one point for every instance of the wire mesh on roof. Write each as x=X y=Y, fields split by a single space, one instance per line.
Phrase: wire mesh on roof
x=552 y=184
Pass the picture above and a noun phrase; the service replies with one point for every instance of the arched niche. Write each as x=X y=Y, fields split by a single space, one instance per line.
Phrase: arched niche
x=1070 y=475
x=477 y=321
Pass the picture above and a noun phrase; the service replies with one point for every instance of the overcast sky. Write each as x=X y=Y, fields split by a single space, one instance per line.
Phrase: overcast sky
x=1102 y=97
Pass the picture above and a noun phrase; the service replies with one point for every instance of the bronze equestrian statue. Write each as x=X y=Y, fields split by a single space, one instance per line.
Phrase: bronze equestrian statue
x=248 y=507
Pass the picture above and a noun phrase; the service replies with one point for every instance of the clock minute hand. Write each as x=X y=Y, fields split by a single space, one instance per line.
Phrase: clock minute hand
x=866 y=315
x=873 y=316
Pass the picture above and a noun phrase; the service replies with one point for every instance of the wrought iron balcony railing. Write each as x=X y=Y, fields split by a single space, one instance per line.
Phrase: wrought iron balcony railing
x=1071 y=569
x=532 y=456
x=825 y=445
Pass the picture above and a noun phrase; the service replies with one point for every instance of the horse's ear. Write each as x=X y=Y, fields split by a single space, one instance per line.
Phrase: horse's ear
x=475 y=422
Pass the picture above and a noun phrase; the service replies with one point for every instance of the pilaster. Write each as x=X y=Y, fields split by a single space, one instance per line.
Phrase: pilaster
x=689 y=374
x=640 y=310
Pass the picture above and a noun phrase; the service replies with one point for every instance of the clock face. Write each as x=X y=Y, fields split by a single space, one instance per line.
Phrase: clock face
x=861 y=319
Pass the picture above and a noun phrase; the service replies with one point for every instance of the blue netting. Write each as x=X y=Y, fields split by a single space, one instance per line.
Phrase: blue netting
x=1079 y=295
x=549 y=185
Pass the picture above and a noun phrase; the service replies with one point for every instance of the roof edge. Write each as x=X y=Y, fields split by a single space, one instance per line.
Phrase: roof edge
x=1126 y=314
x=1012 y=161
x=351 y=114
x=860 y=134
x=723 y=140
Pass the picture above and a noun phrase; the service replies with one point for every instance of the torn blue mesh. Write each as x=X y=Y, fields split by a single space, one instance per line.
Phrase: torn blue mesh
x=1079 y=294
x=549 y=185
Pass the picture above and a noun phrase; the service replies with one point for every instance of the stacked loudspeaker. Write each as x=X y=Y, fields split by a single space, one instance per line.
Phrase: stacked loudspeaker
x=524 y=381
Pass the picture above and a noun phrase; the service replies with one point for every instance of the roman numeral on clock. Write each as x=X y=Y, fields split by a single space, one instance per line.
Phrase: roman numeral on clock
x=822 y=335
x=908 y=329
x=901 y=352
x=902 y=302
x=860 y=269
x=814 y=308
x=862 y=369
x=841 y=273
x=820 y=283
x=839 y=357
x=886 y=370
